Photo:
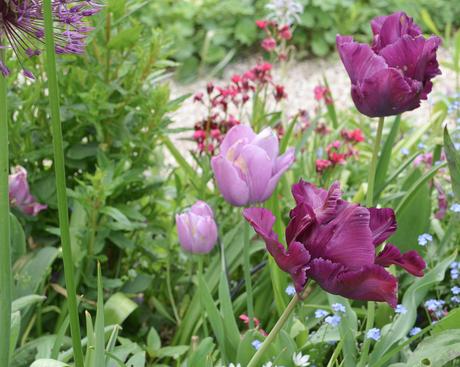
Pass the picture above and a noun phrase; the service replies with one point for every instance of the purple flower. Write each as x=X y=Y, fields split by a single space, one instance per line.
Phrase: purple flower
x=197 y=229
x=394 y=74
x=22 y=27
x=333 y=242
x=19 y=193
x=248 y=166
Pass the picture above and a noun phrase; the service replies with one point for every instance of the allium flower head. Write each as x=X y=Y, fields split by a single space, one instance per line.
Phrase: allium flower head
x=333 y=242
x=22 y=27
x=393 y=74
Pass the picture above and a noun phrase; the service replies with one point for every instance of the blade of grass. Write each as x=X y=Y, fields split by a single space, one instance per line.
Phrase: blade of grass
x=89 y=358
x=59 y=338
x=99 y=349
x=5 y=255
x=61 y=183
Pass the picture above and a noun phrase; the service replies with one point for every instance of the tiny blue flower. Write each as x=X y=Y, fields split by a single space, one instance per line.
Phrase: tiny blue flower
x=401 y=309
x=374 y=334
x=256 y=344
x=455 y=290
x=404 y=151
x=290 y=290
x=319 y=152
x=454 y=273
x=454 y=265
x=414 y=331
x=455 y=208
x=455 y=299
x=319 y=313
x=423 y=239
x=338 y=307
x=333 y=320
x=434 y=305
x=421 y=146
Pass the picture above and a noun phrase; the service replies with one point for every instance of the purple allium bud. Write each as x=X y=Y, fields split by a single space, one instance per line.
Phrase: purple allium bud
x=22 y=27
x=197 y=229
x=20 y=195
x=393 y=74
x=248 y=167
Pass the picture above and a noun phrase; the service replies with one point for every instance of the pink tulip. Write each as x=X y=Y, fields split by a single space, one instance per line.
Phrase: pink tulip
x=20 y=195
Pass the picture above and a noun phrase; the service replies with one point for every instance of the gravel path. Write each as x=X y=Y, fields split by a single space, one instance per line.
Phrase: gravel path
x=301 y=79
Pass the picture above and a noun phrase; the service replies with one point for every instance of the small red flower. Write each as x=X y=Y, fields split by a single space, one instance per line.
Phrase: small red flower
x=352 y=136
x=322 y=165
x=268 y=44
x=262 y=24
x=285 y=32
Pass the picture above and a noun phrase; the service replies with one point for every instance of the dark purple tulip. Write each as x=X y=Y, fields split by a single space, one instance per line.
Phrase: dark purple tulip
x=393 y=75
x=333 y=242
x=20 y=195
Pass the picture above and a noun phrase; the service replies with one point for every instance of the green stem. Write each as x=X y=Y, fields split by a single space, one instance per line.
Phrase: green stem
x=254 y=362
x=5 y=260
x=61 y=184
x=336 y=354
x=370 y=203
x=203 y=310
x=247 y=275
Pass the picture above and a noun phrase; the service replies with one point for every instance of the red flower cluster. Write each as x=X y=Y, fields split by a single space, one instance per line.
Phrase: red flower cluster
x=224 y=103
x=245 y=319
x=323 y=93
x=339 y=151
x=275 y=35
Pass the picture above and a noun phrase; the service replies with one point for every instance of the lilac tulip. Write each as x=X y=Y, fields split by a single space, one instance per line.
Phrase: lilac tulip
x=248 y=167
x=394 y=74
x=333 y=242
x=197 y=229
x=19 y=193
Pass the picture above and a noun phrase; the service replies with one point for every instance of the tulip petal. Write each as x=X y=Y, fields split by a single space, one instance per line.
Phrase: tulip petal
x=359 y=60
x=387 y=93
x=293 y=260
x=389 y=29
x=350 y=241
x=369 y=283
x=282 y=164
x=236 y=133
x=382 y=224
x=202 y=209
x=302 y=217
x=256 y=168
x=411 y=261
x=231 y=186
x=183 y=231
x=268 y=141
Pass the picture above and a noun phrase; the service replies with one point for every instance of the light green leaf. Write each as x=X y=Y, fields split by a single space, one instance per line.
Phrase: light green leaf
x=453 y=159
x=172 y=352
x=117 y=308
x=48 y=363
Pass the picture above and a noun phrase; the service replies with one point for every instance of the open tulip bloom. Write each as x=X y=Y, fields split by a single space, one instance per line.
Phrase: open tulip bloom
x=393 y=74
x=333 y=242
x=248 y=167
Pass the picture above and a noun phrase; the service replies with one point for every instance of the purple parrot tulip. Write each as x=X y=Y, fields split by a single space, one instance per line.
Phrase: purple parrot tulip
x=19 y=193
x=197 y=229
x=394 y=74
x=333 y=242
x=248 y=167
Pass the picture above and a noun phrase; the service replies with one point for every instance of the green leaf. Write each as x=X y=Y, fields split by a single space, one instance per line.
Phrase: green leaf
x=451 y=321
x=26 y=301
x=435 y=350
x=398 y=329
x=117 y=308
x=17 y=239
x=203 y=353
x=153 y=342
x=125 y=38
x=213 y=315
x=59 y=338
x=385 y=155
x=82 y=151
x=172 y=352
x=99 y=346
x=453 y=159
x=15 y=328
x=48 y=363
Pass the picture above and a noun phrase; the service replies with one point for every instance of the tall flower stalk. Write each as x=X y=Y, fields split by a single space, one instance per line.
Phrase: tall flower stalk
x=61 y=184
x=5 y=261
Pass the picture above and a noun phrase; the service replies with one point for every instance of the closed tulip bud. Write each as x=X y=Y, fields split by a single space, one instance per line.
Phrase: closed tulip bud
x=393 y=74
x=19 y=193
x=248 y=167
x=197 y=229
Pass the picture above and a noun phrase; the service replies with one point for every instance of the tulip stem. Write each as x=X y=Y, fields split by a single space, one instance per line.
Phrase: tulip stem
x=255 y=360
x=5 y=260
x=247 y=275
x=370 y=203
x=59 y=165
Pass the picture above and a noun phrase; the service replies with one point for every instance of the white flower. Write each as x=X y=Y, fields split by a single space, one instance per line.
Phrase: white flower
x=301 y=360
x=285 y=11
x=374 y=334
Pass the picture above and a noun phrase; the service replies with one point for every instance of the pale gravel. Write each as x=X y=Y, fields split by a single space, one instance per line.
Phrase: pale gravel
x=300 y=81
